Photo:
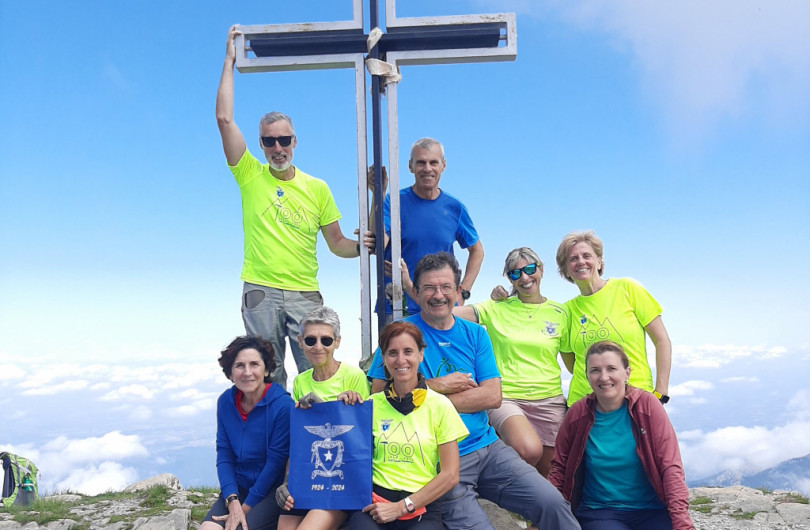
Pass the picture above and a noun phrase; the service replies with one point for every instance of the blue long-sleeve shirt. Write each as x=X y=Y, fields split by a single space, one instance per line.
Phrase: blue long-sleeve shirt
x=252 y=454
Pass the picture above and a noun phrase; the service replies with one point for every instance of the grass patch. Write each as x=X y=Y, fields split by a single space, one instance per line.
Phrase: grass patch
x=744 y=515
x=704 y=508
x=157 y=496
x=697 y=501
x=796 y=497
x=41 y=512
x=198 y=512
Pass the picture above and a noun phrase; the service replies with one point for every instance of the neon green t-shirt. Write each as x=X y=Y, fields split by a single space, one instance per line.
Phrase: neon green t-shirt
x=406 y=448
x=347 y=377
x=617 y=312
x=526 y=339
x=281 y=220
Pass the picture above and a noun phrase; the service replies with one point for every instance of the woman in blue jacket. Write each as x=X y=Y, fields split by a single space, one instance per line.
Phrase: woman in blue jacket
x=253 y=439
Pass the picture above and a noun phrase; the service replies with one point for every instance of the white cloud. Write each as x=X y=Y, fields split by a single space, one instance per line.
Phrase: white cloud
x=94 y=480
x=703 y=62
x=748 y=449
x=191 y=408
x=60 y=388
x=112 y=445
x=9 y=372
x=719 y=355
x=140 y=413
x=751 y=449
x=740 y=379
x=689 y=388
x=137 y=391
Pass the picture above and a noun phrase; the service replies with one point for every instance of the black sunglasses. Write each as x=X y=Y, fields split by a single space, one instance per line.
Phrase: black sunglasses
x=529 y=269
x=270 y=141
x=326 y=341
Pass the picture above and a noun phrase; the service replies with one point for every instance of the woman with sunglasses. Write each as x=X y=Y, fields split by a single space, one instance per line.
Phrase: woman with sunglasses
x=416 y=432
x=327 y=380
x=527 y=332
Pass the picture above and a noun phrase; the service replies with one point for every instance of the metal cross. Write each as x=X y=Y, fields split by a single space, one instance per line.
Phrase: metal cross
x=344 y=44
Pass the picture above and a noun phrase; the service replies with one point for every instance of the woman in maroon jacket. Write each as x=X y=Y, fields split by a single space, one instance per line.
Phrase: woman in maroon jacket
x=616 y=458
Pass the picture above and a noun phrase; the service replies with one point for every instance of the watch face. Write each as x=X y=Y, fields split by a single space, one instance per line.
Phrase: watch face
x=409 y=504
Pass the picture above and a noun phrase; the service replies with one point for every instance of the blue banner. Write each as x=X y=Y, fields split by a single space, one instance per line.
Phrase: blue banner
x=330 y=456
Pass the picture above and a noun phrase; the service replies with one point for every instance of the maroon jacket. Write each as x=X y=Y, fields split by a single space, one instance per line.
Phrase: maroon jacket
x=656 y=446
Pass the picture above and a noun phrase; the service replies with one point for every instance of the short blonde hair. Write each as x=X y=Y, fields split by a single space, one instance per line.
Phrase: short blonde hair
x=569 y=241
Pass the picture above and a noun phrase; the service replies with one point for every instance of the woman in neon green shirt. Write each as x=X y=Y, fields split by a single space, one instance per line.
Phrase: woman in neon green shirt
x=416 y=432
x=618 y=310
x=527 y=332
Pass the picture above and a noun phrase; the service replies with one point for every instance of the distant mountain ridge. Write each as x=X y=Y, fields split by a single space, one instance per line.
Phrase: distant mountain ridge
x=792 y=475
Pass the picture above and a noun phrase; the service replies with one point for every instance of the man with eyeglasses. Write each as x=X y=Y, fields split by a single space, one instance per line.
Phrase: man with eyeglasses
x=459 y=363
x=283 y=209
x=432 y=220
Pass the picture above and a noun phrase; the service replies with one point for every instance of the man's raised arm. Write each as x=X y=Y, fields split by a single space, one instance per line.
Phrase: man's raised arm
x=233 y=143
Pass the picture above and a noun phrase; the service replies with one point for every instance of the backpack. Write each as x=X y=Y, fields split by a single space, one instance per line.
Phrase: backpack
x=20 y=477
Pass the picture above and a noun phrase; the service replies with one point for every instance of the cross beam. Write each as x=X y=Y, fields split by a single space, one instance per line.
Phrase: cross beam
x=343 y=44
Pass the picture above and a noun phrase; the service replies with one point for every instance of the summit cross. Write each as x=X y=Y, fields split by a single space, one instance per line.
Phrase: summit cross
x=346 y=44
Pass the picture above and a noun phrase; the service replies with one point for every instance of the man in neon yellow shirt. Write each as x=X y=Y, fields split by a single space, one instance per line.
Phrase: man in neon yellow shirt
x=283 y=209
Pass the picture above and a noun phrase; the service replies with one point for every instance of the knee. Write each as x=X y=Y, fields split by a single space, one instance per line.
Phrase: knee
x=529 y=452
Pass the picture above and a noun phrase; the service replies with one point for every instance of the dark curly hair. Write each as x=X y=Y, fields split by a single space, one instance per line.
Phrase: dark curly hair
x=439 y=260
x=265 y=349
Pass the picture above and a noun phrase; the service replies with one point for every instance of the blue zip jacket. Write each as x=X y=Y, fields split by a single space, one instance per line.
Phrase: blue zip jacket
x=252 y=455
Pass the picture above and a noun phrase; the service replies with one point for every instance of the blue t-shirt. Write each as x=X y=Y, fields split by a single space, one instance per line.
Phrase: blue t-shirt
x=428 y=226
x=463 y=348
x=614 y=476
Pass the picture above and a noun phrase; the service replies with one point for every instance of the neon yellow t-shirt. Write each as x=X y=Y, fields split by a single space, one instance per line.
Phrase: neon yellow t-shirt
x=281 y=220
x=617 y=312
x=526 y=339
x=406 y=448
x=347 y=377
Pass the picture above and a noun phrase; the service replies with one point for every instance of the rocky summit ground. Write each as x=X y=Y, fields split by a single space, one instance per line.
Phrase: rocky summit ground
x=160 y=503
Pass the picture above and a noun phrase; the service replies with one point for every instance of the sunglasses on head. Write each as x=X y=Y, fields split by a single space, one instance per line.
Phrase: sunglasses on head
x=529 y=269
x=311 y=341
x=270 y=141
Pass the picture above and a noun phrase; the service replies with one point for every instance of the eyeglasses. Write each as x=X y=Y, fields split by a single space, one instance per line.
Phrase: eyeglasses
x=270 y=141
x=431 y=289
x=311 y=341
x=529 y=269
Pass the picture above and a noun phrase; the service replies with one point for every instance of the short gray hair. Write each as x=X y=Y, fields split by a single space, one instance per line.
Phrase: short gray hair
x=426 y=143
x=322 y=315
x=272 y=117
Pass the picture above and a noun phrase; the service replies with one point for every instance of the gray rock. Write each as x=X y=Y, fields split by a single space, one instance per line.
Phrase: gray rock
x=793 y=512
x=166 y=479
x=61 y=524
x=10 y=525
x=177 y=520
x=500 y=518
x=64 y=497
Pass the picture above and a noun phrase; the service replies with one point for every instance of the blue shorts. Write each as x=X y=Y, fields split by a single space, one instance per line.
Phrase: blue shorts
x=263 y=516
x=608 y=519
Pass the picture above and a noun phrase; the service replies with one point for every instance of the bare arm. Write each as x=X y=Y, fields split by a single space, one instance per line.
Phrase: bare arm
x=438 y=486
x=568 y=360
x=339 y=244
x=233 y=143
x=474 y=261
x=466 y=312
x=484 y=396
x=377 y=385
x=663 y=353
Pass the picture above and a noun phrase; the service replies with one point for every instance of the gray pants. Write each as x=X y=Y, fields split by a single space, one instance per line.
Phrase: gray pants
x=275 y=314
x=498 y=474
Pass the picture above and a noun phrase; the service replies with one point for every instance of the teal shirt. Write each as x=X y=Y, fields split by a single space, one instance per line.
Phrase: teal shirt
x=614 y=476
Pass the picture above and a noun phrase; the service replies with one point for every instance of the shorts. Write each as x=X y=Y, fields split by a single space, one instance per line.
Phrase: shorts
x=545 y=415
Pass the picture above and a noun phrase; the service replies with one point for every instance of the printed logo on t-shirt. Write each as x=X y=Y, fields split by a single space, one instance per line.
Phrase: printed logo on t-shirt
x=398 y=445
x=290 y=214
x=551 y=328
x=592 y=331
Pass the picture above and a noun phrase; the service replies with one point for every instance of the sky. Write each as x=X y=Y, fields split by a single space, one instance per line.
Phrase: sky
x=679 y=132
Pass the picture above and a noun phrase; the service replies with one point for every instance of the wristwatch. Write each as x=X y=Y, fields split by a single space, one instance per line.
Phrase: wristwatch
x=465 y=294
x=231 y=497
x=409 y=505
x=663 y=398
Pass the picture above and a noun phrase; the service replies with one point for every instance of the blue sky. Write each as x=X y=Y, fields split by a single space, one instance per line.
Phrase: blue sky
x=678 y=132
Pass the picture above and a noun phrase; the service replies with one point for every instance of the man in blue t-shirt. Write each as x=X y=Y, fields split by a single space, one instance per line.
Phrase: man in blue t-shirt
x=432 y=219
x=459 y=363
